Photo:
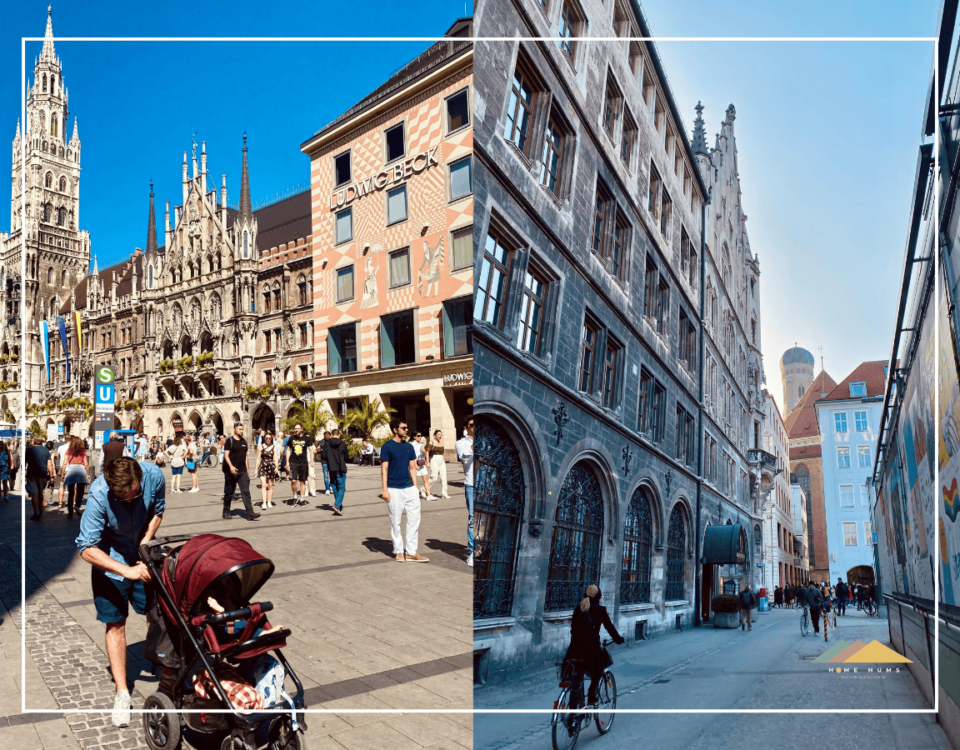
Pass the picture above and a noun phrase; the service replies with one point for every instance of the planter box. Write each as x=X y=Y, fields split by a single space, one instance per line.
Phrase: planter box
x=726 y=619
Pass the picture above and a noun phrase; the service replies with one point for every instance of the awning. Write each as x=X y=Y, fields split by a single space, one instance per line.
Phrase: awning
x=725 y=545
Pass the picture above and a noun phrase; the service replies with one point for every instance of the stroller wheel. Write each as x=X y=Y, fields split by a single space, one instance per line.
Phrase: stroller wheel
x=162 y=730
x=282 y=736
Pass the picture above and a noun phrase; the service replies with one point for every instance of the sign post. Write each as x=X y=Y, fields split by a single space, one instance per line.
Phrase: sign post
x=103 y=408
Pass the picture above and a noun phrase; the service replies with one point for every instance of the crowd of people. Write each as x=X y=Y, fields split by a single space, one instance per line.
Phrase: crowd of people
x=841 y=595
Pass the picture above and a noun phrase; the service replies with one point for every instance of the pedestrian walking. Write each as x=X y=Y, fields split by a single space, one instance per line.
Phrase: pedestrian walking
x=327 y=488
x=39 y=471
x=236 y=473
x=842 y=593
x=177 y=454
x=464 y=447
x=299 y=457
x=337 y=455
x=438 y=463
x=75 y=474
x=422 y=470
x=191 y=464
x=143 y=445
x=778 y=597
x=398 y=477
x=814 y=600
x=6 y=463
x=124 y=511
x=61 y=459
x=15 y=452
x=112 y=449
x=748 y=602
x=267 y=459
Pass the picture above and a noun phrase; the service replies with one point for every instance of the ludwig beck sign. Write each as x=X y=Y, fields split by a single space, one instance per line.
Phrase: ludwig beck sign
x=399 y=172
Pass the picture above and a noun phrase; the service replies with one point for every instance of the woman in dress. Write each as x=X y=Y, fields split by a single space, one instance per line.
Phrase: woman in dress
x=267 y=469
x=417 y=443
x=191 y=460
x=177 y=453
x=437 y=463
x=6 y=461
x=75 y=474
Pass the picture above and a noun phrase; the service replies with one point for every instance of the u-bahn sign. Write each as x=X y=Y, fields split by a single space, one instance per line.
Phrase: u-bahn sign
x=105 y=395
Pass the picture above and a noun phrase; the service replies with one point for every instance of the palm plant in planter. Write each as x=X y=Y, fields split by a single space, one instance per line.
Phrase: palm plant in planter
x=726 y=611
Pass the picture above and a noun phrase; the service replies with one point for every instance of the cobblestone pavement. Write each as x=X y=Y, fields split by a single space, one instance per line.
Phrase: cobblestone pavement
x=367 y=632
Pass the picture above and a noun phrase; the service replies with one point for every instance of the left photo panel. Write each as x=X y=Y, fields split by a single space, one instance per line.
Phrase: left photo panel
x=236 y=391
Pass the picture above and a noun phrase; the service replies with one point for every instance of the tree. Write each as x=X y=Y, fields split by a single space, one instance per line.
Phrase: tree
x=314 y=416
x=369 y=415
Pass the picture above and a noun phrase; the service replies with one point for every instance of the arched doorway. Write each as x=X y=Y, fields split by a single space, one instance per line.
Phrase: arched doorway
x=264 y=418
x=576 y=547
x=218 y=423
x=194 y=422
x=497 y=518
x=862 y=574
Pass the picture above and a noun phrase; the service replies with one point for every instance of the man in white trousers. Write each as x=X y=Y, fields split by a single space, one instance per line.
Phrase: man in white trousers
x=398 y=474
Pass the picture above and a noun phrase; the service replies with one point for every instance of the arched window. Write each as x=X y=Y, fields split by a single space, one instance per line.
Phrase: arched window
x=61 y=217
x=498 y=514
x=63 y=278
x=150 y=276
x=637 y=543
x=44 y=83
x=575 y=549
x=53 y=84
x=266 y=298
x=277 y=298
x=63 y=184
x=245 y=250
x=50 y=275
x=802 y=474
x=54 y=126
x=799 y=391
x=47 y=213
x=48 y=180
x=301 y=290
x=676 y=556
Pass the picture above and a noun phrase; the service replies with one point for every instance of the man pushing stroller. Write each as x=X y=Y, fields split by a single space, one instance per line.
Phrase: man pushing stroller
x=124 y=510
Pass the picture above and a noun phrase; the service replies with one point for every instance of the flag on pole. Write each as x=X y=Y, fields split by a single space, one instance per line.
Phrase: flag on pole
x=79 y=337
x=62 y=325
x=45 y=340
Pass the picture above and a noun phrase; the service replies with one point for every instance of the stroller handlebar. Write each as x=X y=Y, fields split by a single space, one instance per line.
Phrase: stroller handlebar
x=236 y=614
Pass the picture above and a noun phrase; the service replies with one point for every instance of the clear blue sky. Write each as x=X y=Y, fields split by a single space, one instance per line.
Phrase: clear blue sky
x=139 y=104
x=827 y=135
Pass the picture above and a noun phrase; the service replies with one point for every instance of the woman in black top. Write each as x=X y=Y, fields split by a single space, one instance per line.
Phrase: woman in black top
x=588 y=617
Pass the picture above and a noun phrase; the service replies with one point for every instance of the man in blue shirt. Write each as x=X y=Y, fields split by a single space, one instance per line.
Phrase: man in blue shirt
x=124 y=510
x=398 y=474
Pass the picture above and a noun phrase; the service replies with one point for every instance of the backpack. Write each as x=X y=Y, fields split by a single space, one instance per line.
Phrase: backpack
x=747 y=599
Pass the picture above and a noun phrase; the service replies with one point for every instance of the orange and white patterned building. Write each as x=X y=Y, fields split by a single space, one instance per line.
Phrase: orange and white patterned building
x=392 y=226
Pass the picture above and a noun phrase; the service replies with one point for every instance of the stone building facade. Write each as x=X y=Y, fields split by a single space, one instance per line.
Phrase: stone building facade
x=783 y=540
x=212 y=327
x=392 y=222
x=44 y=223
x=612 y=305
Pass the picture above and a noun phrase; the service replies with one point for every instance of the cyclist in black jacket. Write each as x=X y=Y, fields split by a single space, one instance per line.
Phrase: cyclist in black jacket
x=588 y=617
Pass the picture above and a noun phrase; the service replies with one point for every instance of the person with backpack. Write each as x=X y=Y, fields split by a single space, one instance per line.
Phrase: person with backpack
x=336 y=454
x=842 y=594
x=748 y=602
x=814 y=600
x=236 y=474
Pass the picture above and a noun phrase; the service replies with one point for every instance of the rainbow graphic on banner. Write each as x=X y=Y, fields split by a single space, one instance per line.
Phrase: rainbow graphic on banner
x=951 y=500
x=859 y=652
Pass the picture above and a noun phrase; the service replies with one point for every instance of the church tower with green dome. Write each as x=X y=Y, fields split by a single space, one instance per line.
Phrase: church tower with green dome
x=796 y=371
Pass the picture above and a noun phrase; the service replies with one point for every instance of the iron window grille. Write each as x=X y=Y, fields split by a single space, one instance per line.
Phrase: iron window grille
x=676 y=556
x=637 y=546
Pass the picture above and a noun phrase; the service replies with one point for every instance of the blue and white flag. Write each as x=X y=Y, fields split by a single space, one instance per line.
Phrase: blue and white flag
x=45 y=340
x=62 y=325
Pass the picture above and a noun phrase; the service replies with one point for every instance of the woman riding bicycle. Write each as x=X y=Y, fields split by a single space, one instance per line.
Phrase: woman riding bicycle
x=588 y=617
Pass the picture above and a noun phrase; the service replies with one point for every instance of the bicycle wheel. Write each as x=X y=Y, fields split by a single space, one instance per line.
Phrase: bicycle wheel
x=606 y=703
x=804 y=623
x=565 y=727
x=869 y=608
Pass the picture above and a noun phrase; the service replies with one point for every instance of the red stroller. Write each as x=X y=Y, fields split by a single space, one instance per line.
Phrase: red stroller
x=188 y=639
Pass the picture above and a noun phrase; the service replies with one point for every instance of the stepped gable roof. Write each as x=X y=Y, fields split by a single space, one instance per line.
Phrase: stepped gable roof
x=870 y=373
x=801 y=422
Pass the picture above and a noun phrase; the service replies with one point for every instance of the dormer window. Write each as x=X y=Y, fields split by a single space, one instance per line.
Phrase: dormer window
x=858 y=389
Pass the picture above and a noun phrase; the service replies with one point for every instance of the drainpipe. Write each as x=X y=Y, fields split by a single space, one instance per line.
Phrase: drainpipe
x=700 y=386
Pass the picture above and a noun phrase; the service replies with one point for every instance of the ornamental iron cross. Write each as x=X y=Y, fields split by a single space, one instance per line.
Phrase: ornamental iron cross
x=560 y=418
x=627 y=455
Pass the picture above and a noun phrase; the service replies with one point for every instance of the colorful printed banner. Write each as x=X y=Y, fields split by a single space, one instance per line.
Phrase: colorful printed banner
x=62 y=325
x=45 y=340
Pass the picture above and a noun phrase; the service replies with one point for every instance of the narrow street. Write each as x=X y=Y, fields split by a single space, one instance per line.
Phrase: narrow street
x=727 y=670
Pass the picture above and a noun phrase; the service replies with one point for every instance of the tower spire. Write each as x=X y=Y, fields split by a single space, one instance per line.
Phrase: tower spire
x=48 y=53
x=17 y=136
x=76 y=134
x=151 y=227
x=699 y=144
x=246 y=209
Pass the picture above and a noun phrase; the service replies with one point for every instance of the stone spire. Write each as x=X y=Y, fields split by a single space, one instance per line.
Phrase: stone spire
x=95 y=271
x=17 y=136
x=699 y=144
x=151 y=227
x=246 y=209
x=76 y=133
x=48 y=53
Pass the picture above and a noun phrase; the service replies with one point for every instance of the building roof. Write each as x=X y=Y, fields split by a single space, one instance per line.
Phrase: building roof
x=870 y=373
x=797 y=355
x=122 y=270
x=435 y=55
x=801 y=422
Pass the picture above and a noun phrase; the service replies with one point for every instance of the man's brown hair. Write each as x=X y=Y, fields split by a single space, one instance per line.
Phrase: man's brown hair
x=121 y=474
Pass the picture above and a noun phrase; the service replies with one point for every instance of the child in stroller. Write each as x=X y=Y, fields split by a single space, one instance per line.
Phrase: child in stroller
x=222 y=665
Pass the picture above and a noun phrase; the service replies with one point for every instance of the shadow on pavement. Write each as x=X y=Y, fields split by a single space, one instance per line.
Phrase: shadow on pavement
x=384 y=546
x=453 y=549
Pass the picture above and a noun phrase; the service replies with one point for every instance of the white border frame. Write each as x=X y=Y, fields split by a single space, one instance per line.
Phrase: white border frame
x=617 y=39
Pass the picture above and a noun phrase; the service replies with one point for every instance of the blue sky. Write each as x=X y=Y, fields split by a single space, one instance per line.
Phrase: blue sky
x=827 y=138
x=139 y=104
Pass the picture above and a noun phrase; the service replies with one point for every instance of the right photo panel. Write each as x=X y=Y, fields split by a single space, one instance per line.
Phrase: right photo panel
x=715 y=461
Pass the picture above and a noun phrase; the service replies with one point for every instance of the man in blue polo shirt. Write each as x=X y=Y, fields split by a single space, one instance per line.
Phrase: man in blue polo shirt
x=124 y=510
x=398 y=474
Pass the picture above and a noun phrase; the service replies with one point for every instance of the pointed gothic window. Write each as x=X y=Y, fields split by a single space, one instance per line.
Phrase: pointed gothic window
x=246 y=250
x=54 y=131
x=44 y=83
x=48 y=180
x=63 y=184
x=150 y=277
x=61 y=217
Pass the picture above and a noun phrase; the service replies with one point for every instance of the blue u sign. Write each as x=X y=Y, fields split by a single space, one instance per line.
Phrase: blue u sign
x=105 y=394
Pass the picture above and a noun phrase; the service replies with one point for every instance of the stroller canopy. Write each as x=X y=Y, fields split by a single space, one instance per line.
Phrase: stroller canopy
x=228 y=569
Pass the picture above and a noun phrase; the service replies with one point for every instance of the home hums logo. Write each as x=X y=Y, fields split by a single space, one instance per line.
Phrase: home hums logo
x=860 y=653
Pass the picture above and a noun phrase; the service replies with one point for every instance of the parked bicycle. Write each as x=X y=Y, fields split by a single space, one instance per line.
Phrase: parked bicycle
x=805 y=621
x=566 y=721
x=209 y=461
x=869 y=606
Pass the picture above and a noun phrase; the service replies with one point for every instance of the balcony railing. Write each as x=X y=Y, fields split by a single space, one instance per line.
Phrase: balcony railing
x=766 y=460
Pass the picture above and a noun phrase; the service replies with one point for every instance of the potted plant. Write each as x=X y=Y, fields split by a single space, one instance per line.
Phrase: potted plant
x=726 y=611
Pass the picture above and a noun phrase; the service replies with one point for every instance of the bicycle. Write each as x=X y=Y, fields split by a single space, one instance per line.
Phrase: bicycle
x=566 y=722
x=209 y=461
x=805 y=621
x=870 y=607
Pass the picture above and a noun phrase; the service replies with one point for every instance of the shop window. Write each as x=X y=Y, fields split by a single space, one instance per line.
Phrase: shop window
x=397 y=205
x=342 y=349
x=457 y=327
x=397 y=339
x=458 y=111
x=461 y=182
x=395 y=143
